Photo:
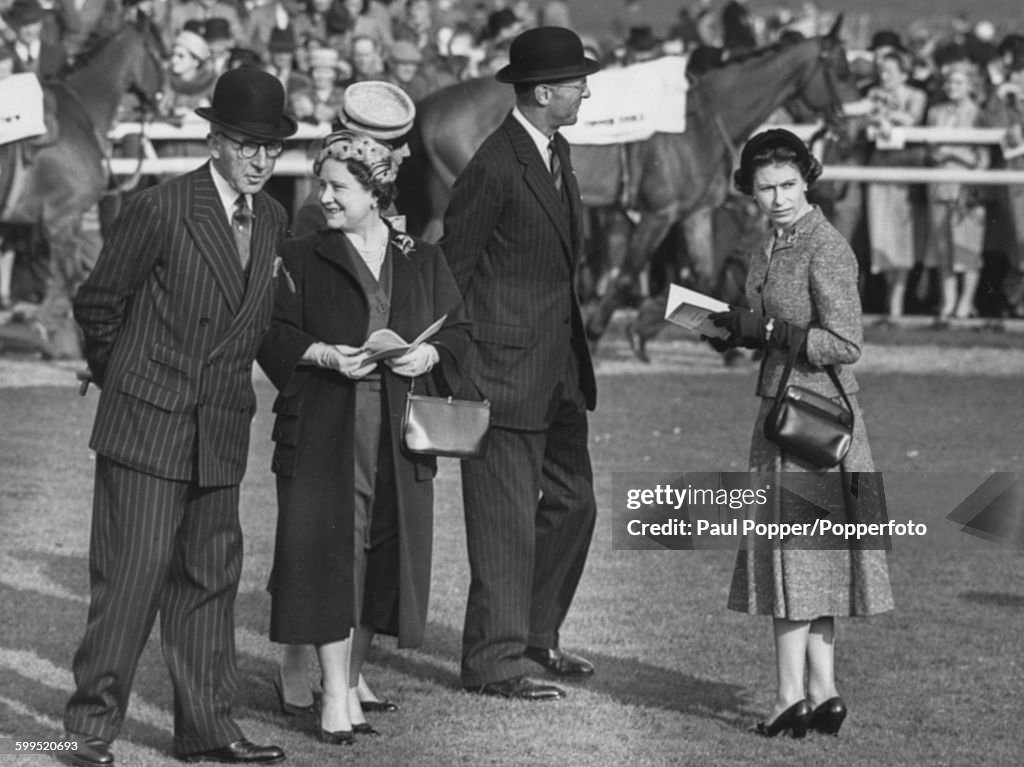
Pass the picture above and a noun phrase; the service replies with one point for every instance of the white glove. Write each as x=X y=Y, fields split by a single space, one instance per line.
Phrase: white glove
x=416 y=362
x=347 y=360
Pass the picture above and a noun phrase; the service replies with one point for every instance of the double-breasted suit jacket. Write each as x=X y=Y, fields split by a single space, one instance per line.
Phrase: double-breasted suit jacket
x=171 y=326
x=513 y=245
x=171 y=323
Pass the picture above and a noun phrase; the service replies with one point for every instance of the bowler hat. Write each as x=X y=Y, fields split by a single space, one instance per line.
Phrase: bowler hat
x=24 y=12
x=252 y=102
x=546 y=54
x=282 y=40
x=217 y=28
x=379 y=109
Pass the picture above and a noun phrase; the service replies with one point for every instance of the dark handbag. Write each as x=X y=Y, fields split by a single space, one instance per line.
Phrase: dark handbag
x=807 y=424
x=445 y=426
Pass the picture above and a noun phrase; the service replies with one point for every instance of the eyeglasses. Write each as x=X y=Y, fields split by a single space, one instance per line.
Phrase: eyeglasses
x=249 y=149
x=575 y=86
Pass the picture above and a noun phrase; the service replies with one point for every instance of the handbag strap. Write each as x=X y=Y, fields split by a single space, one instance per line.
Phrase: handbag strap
x=458 y=370
x=794 y=350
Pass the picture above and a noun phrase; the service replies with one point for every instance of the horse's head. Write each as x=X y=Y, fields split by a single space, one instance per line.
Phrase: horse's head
x=144 y=70
x=829 y=83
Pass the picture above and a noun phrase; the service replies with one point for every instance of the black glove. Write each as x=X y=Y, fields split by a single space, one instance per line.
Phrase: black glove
x=746 y=328
x=785 y=334
x=719 y=344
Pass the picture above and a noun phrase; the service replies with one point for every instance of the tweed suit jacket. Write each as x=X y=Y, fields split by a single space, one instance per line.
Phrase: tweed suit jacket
x=513 y=247
x=171 y=328
x=811 y=281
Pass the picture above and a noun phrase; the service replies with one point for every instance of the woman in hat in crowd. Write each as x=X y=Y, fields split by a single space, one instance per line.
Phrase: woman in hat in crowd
x=320 y=102
x=956 y=215
x=802 y=288
x=353 y=549
x=190 y=77
x=890 y=208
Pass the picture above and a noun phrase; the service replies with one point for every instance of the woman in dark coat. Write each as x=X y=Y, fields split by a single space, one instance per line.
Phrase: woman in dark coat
x=354 y=532
x=802 y=288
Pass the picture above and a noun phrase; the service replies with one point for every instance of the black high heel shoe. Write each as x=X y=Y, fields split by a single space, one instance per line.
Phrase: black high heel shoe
x=337 y=738
x=291 y=709
x=378 y=706
x=795 y=719
x=828 y=717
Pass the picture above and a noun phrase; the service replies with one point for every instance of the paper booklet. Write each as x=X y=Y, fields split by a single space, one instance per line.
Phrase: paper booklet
x=385 y=343
x=691 y=309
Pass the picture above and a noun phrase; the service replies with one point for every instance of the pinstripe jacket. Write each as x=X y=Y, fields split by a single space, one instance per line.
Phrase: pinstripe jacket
x=513 y=248
x=811 y=281
x=172 y=327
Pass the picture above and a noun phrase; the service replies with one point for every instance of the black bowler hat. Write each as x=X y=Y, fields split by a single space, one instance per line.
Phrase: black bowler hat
x=546 y=54
x=250 y=101
x=217 y=28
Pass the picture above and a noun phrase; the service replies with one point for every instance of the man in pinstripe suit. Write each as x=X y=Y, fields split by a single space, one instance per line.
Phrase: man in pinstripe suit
x=172 y=317
x=513 y=236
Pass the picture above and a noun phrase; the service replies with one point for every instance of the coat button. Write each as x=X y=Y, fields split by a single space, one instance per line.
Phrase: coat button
x=204 y=321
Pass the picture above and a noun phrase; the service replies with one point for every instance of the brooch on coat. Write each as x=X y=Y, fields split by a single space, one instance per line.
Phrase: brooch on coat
x=403 y=242
x=279 y=270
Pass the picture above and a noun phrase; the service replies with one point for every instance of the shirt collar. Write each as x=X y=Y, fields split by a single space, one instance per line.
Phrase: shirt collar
x=539 y=139
x=226 y=193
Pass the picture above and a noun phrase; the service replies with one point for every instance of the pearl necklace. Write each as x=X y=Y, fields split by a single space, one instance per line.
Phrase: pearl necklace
x=373 y=256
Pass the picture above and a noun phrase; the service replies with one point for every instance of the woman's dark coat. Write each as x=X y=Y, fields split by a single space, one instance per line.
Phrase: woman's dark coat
x=319 y=298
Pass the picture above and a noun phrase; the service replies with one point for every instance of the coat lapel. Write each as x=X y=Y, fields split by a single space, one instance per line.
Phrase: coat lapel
x=208 y=225
x=538 y=180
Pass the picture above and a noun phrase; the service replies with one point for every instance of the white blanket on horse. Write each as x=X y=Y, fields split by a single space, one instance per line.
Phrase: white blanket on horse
x=21 y=107
x=632 y=103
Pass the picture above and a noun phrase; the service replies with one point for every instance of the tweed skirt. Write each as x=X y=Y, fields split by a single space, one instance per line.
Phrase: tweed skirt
x=803 y=578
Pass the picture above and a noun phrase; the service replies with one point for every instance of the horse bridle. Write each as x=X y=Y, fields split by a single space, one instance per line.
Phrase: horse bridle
x=834 y=112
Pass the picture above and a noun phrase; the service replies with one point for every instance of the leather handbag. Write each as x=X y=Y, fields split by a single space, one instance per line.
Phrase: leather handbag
x=807 y=424
x=445 y=426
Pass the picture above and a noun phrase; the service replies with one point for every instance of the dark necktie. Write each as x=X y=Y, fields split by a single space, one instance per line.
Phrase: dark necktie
x=241 y=227
x=556 y=165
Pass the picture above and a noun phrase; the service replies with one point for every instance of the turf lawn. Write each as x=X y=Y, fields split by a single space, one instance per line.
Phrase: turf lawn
x=680 y=679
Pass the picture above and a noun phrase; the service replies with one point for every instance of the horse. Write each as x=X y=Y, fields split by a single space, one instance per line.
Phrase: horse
x=65 y=175
x=676 y=177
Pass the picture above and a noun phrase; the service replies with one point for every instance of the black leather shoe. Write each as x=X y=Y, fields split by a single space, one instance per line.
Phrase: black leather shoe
x=336 y=738
x=239 y=752
x=364 y=728
x=559 y=662
x=828 y=717
x=89 y=751
x=291 y=709
x=794 y=720
x=378 y=706
x=519 y=688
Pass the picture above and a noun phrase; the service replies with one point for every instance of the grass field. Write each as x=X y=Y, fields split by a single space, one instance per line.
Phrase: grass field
x=680 y=679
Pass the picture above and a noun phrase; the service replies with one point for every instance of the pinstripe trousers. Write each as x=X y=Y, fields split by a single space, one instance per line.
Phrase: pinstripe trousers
x=167 y=547
x=530 y=513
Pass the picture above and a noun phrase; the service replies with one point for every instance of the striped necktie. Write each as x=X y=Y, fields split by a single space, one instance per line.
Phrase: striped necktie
x=241 y=227
x=556 y=165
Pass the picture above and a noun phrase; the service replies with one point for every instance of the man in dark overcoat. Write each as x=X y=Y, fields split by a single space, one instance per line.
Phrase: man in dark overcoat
x=172 y=317
x=513 y=238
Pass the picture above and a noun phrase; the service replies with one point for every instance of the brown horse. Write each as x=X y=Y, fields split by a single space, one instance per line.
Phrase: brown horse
x=675 y=177
x=65 y=177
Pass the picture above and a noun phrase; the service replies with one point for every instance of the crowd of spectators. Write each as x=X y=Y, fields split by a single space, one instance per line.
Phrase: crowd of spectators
x=319 y=47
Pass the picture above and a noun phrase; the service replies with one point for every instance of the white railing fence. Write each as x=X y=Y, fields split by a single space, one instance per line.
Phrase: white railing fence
x=294 y=161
